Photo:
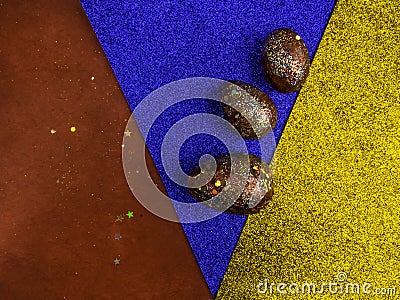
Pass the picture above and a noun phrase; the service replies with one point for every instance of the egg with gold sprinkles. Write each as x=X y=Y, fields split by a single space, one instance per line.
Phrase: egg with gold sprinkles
x=264 y=114
x=258 y=188
x=285 y=60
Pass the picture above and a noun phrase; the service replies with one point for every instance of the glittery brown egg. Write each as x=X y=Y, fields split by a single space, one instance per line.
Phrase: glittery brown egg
x=258 y=188
x=265 y=115
x=285 y=60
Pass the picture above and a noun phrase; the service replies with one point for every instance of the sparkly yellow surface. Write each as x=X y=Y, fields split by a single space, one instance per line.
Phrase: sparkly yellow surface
x=337 y=204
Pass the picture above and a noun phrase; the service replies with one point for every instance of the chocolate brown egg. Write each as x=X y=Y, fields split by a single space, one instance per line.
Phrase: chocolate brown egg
x=258 y=188
x=285 y=60
x=264 y=114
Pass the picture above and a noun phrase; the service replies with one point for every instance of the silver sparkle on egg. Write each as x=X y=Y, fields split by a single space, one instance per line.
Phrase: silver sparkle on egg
x=243 y=94
x=285 y=60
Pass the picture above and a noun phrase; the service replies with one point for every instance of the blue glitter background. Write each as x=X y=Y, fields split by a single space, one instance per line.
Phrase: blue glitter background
x=151 y=43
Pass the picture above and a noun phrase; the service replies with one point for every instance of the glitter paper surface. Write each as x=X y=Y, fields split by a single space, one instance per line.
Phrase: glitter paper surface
x=336 y=204
x=151 y=43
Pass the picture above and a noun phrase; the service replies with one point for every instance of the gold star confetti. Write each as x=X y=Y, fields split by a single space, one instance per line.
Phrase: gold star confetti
x=127 y=133
x=73 y=129
x=119 y=218
x=53 y=131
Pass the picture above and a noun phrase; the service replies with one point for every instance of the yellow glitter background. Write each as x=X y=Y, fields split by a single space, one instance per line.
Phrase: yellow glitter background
x=336 y=204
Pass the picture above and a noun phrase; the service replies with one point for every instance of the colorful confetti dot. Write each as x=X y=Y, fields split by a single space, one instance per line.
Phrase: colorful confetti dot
x=53 y=131
x=73 y=129
x=130 y=214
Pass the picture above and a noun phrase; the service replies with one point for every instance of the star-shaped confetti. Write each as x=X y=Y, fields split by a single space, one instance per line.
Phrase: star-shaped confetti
x=130 y=214
x=116 y=261
x=118 y=236
x=119 y=218
x=127 y=133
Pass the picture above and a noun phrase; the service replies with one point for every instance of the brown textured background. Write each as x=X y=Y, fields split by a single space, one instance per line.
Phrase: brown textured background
x=60 y=193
